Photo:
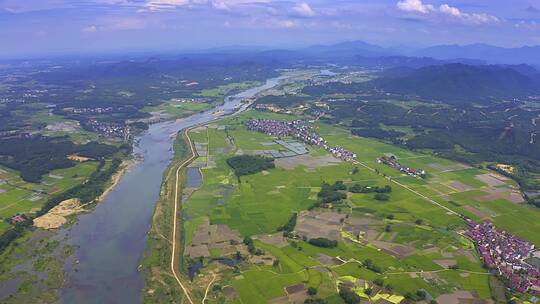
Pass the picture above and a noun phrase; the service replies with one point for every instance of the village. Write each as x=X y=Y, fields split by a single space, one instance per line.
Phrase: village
x=392 y=162
x=89 y=110
x=299 y=130
x=108 y=129
x=507 y=255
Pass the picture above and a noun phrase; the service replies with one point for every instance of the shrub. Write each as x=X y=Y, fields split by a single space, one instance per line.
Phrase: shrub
x=289 y=226
x=381 y=197
x=250 y=164
x=349 y=296
x=323 y=242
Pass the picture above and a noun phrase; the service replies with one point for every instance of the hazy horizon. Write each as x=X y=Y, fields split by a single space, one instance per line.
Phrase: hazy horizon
x=35 y=28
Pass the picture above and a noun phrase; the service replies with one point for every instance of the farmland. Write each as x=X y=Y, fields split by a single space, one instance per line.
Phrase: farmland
x=203 y=100
x=18 y=196
x=408 y=242
x=176 y=108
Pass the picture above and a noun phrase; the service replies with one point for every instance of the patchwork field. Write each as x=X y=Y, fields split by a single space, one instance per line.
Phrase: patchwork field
x=18 y=196
x=177 y=108
x=410 y=242
x=453 y=185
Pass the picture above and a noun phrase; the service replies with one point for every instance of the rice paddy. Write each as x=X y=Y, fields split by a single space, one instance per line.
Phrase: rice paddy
x=414 y=243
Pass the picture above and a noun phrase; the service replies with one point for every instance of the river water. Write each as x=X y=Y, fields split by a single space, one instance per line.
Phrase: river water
x=110 y=240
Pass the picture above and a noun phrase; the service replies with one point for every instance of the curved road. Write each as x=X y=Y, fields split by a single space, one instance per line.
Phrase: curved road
x=175 y=216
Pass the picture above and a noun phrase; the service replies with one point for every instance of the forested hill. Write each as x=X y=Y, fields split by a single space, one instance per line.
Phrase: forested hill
x=456 y=83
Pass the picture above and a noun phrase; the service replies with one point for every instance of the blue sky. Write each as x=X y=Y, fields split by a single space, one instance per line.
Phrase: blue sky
x=34 y=27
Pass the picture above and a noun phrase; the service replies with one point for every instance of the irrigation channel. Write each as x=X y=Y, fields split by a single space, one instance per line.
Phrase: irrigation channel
x=111 y=239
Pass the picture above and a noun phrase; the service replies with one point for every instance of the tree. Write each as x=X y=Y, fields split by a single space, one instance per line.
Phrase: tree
x=378 y=282
x=289 y=226
x=250 y=164
x=315 y=301
x=418 y=222
x=368 y=262
x=312 y=291
x=421 y=294
x=381 y=197
x=275 y=263
x=349 y=296
x=323 y=242
x=385 y=189
x=248 y=241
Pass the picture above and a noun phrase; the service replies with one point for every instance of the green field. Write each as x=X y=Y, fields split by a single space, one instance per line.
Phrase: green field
x=18 y=196
x=176 y=108
x=224 y=90
x=506 y=214
x=258 y=204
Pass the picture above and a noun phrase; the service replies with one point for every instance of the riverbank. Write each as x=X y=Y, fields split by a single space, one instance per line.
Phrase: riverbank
x=32 y=267
x=115 y=178
x=104 y=247
x=165 y=242
x=113 y=256
x=165 y=239
x=58 y=215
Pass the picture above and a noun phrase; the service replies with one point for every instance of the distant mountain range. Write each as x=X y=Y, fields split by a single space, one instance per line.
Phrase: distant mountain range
x=350 y=52
x=457 y=83
x=479 y=53
x=348 y=49
x=449 y=73
x=488 y=53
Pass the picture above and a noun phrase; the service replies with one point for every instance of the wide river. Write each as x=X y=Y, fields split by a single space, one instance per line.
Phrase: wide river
x=110 y=240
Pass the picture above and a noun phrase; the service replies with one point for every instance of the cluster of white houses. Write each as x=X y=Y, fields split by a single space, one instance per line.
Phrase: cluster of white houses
x=300 y=131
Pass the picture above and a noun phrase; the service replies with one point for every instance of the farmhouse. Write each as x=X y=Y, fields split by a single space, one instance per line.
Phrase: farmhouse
x=392 y=162
x=299 y=130
x=19 y=218
x=506 y=254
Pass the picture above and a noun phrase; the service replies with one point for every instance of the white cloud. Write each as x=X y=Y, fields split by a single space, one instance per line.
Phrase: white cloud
x=127 y=24
x=89 y=29
x=445 y=10
x=164 y=5
x=452 y=11
x=286 y=24
x=222 y=5
x=170 y=5
x=527 y=25
x=116 y=24
x=473 y=18
x=303 y=9
x=416 y=6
